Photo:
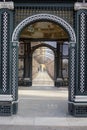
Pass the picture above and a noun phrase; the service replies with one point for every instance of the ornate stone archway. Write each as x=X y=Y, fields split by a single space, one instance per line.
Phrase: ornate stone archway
x=72 y=43
x=9 y=57
x=40 y=17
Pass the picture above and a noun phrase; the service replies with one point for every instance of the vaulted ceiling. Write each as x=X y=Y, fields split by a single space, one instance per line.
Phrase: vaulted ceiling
x=44 y=30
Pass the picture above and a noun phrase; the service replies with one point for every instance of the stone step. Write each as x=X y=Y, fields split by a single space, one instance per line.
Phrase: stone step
x=44 y=123
x=25 y=127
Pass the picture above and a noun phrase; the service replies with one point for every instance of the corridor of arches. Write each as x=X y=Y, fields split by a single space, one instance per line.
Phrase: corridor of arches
x=43 y=67
x=43 y=55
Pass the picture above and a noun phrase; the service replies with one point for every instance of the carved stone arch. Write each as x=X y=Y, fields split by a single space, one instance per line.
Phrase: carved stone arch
x=43 y=45
x=14 y=54
x=40 y=17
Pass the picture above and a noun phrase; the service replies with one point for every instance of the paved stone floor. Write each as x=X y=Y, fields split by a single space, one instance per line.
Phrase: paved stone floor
x=43 y=108
x=43 y=79
x=43 y=102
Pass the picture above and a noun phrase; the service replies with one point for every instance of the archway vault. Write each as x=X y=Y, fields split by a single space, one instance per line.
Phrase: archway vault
x=14 y=54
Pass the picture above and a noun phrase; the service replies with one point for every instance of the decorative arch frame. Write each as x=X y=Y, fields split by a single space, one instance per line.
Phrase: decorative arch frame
x=41 y=17
x=72 y=51
x=43 y=45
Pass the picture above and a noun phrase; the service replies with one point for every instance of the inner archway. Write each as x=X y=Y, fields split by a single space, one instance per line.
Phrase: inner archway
x=43 y=67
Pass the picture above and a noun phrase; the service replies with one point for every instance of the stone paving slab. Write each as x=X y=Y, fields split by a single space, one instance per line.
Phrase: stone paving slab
x=12 y=127
x=44 y=121
x=47 y=111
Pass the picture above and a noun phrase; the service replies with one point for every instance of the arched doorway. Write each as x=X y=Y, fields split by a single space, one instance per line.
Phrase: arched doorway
x=15 y=40
x=43 y=67
x=43 y=33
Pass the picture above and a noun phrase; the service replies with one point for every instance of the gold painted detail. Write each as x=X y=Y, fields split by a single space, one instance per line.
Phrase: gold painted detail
x=44 y=30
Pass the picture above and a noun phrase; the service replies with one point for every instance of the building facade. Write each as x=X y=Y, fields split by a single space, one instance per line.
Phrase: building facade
x=57 y=25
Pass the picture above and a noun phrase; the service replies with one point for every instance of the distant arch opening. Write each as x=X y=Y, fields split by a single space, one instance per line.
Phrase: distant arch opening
x=43 y=67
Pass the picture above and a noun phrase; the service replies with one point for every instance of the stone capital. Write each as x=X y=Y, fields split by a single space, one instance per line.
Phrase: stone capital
x=7 y=5
x=15 y=43
x=80 y=5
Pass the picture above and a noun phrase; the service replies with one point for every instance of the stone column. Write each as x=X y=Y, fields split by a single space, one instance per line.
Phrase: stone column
x=14 y=75
x=6 y=15
x=72 y=78
x=79 y=105
x=59 y=64
x=6 y=29
x=58 y=67
x=28 y=65
x=26 y=61
x=81 y=14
